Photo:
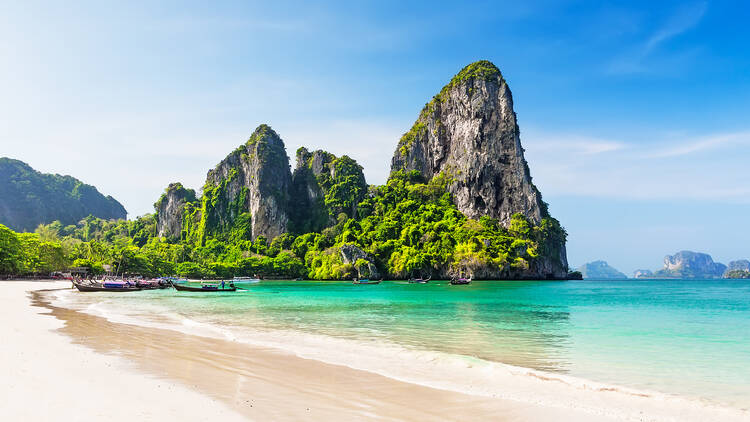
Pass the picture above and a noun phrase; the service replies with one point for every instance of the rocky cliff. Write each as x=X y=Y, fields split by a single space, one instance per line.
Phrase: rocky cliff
x=469 y=133
x=688 y=264
x=248 y=191
x=170 y=209
x=600 y=270
x=738 y=269
x=29 y=198
x=324 y=186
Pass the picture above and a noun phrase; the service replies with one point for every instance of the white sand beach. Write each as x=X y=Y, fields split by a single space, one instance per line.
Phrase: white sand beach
x=74 y=366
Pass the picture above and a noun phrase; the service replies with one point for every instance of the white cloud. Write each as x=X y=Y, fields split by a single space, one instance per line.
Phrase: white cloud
x=709 y=167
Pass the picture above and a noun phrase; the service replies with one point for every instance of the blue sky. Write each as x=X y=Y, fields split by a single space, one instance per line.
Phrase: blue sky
x=634 y=115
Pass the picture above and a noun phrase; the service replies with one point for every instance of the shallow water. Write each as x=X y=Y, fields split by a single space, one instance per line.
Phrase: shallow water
x=682 y=337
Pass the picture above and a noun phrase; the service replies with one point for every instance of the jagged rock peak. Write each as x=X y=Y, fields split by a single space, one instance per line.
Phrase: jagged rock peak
x=323 y=186
x=469 y=132
x=170 y=208
x=254 y=182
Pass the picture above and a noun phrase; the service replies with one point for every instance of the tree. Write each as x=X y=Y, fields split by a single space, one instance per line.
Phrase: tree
x=10 y=247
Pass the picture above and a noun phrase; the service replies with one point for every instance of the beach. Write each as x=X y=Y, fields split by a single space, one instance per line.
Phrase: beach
x=65 y=364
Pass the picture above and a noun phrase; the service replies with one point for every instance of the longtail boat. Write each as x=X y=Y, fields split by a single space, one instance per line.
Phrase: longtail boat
x=461 y=280
x=82 y=287
x=212 y=288
x=420 y=280
x=366 y=281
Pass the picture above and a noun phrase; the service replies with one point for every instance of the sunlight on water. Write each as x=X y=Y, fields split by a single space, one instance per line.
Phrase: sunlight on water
x=675 y=336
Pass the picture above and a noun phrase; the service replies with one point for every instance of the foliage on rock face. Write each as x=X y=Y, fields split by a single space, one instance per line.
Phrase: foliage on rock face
x=737 y=274
x=30 y=198
x=409 y=228
x=177 y=189
x=337 y=185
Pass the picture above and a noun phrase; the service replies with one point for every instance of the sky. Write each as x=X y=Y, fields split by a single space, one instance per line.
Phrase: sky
x=635 y=116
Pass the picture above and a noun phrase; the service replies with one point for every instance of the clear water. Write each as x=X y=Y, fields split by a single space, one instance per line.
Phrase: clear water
x=682 y=337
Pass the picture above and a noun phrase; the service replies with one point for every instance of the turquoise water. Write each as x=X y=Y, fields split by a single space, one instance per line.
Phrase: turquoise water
x=682 y=337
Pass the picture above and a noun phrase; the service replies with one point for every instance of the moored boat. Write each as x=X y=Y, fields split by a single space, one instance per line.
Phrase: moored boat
x=105 y=287
x=366 y=281
x=212 y=288
x=461 y=280
x=420 y=280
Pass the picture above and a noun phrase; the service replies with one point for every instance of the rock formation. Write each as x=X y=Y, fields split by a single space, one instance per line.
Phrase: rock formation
x=688 y=264
x=469 y=132
x=362 y=262
x=170 y=209
x=738 y=269
x=250 y=184
x=600 y=270
x=740 y=264
x=323 y=186
x=643 y=274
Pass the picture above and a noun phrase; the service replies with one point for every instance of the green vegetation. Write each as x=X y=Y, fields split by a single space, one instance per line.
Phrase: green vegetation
x=339 y=186
x=30 y=198
x=407 y=227
x=737 y=274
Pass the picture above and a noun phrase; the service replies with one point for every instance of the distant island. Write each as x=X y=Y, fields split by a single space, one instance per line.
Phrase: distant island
x=600 y=270
x=697 y=265
x=29 y=198
x=458 y=202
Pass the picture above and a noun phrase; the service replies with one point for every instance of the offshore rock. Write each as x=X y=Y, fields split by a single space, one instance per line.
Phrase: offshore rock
x=469 y=132
x=643 y=274
x=251 y=184
x=600 y=270
x=170 y=209
x=688 y=264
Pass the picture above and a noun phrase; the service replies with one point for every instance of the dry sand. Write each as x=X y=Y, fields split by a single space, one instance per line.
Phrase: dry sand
x=75 y=366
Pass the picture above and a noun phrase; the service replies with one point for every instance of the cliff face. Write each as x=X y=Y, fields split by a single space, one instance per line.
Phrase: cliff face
x=29 y=198
x=469 y=132
x=170 y=209
x=324 y=186
x=252 y=185
x=688 y=264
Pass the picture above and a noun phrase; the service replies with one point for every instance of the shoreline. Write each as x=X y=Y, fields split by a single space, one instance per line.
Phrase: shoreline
x=231 y=371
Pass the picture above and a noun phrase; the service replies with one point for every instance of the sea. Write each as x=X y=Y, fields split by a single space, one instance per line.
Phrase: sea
x=688 y=338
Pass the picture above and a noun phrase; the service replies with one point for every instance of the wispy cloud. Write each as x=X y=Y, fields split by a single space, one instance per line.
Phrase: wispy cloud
x=702 y=144
x=710 y=167
x=636 y=60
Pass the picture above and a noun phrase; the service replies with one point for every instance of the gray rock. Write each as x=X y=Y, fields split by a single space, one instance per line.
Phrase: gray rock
x=600 y=270
x=253 y=179
x=350 y=254
x=739 y=265
x=643 y=274
x=688 y=264
x=469 y=132
x=170 y=209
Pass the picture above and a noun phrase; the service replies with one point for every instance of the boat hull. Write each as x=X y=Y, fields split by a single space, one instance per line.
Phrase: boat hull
x=184 y=288
x=89 y=288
